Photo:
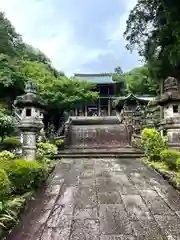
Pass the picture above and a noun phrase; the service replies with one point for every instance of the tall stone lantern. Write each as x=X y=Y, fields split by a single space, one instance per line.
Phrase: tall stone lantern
x=170 y=102
x=31 y=123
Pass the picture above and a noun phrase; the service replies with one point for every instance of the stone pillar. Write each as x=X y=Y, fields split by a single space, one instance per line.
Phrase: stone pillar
x=109 y=107
x=76 y=112
x=99 y=107
x=85 y=110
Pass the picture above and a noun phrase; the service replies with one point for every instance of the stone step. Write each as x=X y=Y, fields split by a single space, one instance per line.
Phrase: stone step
x=124 y=156
x=107 y=153
x=128 y=150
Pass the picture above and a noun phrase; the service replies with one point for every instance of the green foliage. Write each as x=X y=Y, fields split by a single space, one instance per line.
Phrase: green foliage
x=44 y=150
x=139 y=82
x=169 y=157
x=12 y=79
x=7 y=125
x=47 y=148
x=12 y=143
x=153 y=28
x=26 y=175
x=153 y=143
x=157 y=165
x=6 y=159
x=178 y=164
x=5 y=185
x=20 y=62
x=10 y=40
x=9 y=210
x=59 y=142
x=61 y=93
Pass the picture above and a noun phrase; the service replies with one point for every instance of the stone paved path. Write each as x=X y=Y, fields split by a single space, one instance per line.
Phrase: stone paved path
x=102 y=200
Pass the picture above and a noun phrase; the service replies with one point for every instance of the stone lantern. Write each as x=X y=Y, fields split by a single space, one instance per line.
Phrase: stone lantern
x=31 y=119
x=170 y=102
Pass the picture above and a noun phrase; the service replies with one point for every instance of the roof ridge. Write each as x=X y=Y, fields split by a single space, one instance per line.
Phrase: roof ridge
x=92 y=74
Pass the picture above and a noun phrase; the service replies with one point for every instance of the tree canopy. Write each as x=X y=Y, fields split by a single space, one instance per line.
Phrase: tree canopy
x=153 y=28
x=139 y=82
x=20 y=62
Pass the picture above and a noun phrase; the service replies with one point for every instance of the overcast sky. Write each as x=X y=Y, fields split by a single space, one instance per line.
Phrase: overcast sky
x=77 y=35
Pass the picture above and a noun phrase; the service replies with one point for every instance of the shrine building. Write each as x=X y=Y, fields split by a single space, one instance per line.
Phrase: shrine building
x=108 y=90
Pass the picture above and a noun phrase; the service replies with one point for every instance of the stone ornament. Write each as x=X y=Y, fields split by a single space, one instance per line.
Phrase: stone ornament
x=30 y=87
x=170 y=84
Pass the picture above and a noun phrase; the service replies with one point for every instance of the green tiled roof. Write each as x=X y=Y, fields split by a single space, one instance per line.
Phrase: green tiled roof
x=95 y=78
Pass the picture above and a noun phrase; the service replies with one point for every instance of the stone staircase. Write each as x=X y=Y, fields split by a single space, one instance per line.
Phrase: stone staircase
x=98 y=137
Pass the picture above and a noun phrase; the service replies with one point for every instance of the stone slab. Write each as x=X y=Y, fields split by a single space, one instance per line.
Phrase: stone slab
x=114 y=220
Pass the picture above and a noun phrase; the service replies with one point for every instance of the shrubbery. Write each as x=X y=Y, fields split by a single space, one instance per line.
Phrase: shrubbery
x=153 y=143
x=155 y=149
x=23 y=175
x=44 y=150
x=169 y=157
x=6 y=159
x=19 y=177
x=5 y=185
x=26 y=175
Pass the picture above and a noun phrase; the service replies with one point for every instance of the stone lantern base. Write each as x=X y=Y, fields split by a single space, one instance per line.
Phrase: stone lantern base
x=172 y=128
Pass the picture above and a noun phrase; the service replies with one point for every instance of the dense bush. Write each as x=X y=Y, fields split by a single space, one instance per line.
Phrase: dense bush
x=45 y=149
x=26 y=175
x=169 y=157
x=153 y=143
x=5 y=185
x=19 y=177
x=6 y=159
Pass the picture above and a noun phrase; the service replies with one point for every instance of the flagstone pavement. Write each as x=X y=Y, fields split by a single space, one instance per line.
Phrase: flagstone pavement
x=102 y=199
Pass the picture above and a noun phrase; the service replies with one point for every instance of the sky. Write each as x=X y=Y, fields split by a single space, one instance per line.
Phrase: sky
x=79 y=36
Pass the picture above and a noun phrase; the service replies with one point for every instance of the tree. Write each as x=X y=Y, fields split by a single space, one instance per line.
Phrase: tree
x=153 y=28
x=139 y=82
x=118 y=70
x=12 y=80
x=20 y=62
x=60 y=93
x=10 y=40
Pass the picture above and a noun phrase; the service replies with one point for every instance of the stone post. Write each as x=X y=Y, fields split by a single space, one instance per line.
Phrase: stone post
x=99 y=107
x=109 y=107
x=31 y=119
x=86 y=110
